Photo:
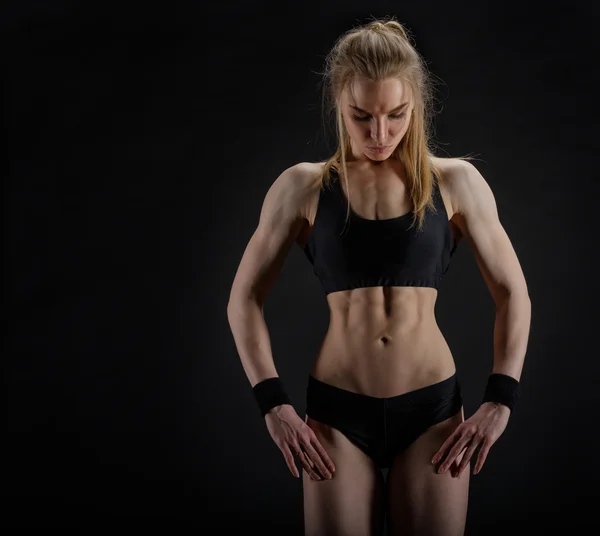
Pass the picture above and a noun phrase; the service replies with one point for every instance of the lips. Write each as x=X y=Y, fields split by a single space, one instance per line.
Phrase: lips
x=380 y=149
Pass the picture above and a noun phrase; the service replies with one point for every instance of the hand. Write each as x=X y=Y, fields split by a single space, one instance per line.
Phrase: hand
x=293 y=436
x=482 y=429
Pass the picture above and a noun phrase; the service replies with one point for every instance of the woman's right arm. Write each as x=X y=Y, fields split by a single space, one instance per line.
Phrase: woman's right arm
x=282 y=218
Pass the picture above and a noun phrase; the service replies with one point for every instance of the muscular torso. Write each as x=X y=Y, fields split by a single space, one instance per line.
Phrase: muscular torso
x=381 y=341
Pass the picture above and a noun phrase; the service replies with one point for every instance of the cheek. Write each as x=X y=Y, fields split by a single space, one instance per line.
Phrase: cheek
x=358 y=131
x=399 y=130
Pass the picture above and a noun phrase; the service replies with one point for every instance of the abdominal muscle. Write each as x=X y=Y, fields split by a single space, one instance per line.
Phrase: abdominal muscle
x=383 y=342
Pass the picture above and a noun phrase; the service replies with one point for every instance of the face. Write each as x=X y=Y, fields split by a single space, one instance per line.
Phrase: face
x=376 y=115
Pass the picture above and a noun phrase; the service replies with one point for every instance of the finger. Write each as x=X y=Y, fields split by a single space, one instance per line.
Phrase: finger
x=302 y=450
x=312 y=453
x=289 y=459
x=453 y=453
x=302 y=456
x=322 y=453
x=308 y=466
x=466 y=458
x=454 y=468
x=483 y=452
x=447 y=445
x=456 y=463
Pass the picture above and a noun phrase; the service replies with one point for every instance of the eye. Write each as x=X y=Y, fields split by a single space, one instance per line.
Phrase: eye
x=366 y=118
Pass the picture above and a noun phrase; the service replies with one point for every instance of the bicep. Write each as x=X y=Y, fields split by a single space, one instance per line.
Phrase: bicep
x=480 y=224
x=279 y=225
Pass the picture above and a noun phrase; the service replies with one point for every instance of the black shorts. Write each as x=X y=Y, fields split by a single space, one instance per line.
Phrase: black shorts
x=383 y=427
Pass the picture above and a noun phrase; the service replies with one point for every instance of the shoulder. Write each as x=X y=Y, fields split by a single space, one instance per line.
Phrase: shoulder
x=464 y=187
x=301 y=177
x=297 y=185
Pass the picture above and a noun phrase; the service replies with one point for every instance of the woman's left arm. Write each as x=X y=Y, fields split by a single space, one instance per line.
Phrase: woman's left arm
x=476 y=216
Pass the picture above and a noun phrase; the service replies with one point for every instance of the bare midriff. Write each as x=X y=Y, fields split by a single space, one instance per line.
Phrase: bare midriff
x=383 y=342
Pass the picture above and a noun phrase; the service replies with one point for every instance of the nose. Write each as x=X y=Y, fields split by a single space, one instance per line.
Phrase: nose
x=379 y=131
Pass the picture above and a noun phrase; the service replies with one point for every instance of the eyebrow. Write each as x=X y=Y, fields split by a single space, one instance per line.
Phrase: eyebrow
x=396 y=109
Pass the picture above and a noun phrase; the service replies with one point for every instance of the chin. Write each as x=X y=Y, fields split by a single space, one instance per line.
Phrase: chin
x=377 y=157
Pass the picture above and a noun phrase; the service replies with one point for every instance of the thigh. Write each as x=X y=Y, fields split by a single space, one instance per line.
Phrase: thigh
x=352 y=502
x=421 y=501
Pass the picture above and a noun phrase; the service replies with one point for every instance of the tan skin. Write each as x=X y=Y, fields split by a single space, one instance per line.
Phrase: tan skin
x=381 y=341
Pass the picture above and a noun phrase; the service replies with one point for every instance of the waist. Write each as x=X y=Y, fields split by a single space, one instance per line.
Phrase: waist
x=367 y=362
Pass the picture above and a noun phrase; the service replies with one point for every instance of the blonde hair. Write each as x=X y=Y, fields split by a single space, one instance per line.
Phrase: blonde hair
x=377 y=51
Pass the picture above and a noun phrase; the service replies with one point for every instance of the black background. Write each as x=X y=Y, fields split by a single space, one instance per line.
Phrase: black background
x=140 y=142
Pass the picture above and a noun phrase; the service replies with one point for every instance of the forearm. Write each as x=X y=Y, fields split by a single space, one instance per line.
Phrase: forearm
x=252 y=340
x=511 y=334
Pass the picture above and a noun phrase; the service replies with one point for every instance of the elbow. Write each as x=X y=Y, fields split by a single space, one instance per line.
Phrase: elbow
x=504 y=294
x=240 y=302
x=233 y=306
x=522 y=294
x=246 y=294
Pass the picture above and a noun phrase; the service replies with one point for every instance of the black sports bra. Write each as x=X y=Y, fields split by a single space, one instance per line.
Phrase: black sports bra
x=373 y=253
